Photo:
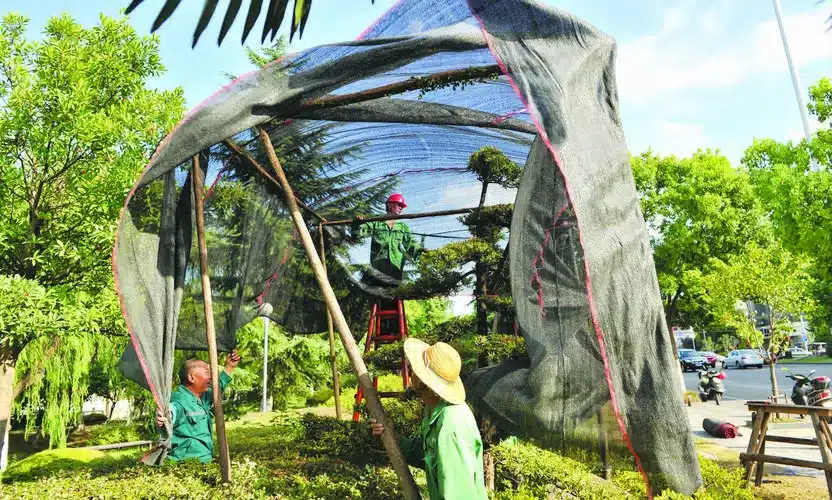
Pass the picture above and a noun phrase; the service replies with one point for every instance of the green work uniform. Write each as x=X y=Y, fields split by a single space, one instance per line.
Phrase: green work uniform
x=449 y=448
x=193 y=419
x=389 y=246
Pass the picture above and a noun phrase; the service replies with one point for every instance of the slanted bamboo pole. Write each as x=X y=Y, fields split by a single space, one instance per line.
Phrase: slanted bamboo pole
x=262 y=171
x=389 y=437
x=211 y=335
x=336 y=387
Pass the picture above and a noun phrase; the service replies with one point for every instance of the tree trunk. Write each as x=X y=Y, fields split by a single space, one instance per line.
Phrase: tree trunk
x=488 y=469
x=479 y=293
x=6 y=401
x=773 y=374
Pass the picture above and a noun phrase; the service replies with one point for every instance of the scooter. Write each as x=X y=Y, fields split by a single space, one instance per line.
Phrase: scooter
x=711 y=387
x=809 y=391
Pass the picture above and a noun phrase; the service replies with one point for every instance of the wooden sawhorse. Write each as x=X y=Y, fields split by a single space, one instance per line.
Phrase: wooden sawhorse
x=755 y=457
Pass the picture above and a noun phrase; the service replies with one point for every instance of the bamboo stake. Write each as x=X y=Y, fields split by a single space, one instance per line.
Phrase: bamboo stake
x=389 y=437
x=210 y=333
x=336 y=387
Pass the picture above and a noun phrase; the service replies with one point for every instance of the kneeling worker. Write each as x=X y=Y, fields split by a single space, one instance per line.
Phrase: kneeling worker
x=192 y=409
x=449 y=446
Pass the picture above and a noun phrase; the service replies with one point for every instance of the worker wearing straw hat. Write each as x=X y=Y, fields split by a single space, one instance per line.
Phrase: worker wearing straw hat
x=449 y=446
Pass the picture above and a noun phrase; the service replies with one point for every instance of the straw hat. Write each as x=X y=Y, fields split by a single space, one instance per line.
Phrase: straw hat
x=438 y=367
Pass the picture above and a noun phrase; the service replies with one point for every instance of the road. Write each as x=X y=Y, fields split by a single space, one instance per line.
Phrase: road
x=754 y=383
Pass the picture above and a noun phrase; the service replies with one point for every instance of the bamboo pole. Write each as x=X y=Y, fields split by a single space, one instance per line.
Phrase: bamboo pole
x=244 y=154
x=336 y=386
x=210 y=333
x=417 y=215
x=389 y=437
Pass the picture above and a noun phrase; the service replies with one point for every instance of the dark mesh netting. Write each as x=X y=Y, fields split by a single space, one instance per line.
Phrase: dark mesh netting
x=402 y=109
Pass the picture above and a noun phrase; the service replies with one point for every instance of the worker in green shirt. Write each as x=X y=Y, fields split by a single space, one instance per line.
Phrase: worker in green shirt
x=448 y=447
x=391 y=245
x=192 y=409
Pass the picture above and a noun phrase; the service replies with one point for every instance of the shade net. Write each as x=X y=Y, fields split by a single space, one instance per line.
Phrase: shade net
x=541 y=89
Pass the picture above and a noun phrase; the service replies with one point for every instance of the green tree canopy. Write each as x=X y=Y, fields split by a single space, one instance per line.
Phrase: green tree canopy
x=797 y=197
x=698 y=210
x=768 y=275
x=77 y=125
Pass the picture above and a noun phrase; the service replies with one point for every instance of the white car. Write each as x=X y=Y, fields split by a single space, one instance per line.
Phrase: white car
x=799 y=352
x=743 y=358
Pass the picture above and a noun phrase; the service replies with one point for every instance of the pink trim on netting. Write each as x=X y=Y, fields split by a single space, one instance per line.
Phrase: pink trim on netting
x=502 y=118
x=539 y=258
x=593 y=309
x=210 y=191
x=162 y=145
x=273 y=277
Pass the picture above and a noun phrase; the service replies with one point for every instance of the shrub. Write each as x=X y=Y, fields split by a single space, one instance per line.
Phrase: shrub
x=50 y=462
x=535 y=473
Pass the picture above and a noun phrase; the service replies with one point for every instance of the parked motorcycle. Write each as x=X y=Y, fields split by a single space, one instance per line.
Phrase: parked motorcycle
x=711 y=387
x=810 y=391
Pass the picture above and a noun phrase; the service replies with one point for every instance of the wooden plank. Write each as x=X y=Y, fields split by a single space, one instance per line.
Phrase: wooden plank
x=766 y=407
x=210 y=333
x=792 y=440
x=389 y=437
x=752 y=445
x=769 y=459
x=824 y=449
x=758 y=480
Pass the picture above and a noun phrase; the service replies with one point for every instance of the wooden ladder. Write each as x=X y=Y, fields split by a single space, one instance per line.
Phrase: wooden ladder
x=375 y=337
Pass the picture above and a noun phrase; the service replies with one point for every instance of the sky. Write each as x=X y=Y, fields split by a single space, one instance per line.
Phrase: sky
x=691 y=73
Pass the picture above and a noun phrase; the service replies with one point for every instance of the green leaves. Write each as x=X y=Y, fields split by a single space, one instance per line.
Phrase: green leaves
x=697 y=209
x=275 y=12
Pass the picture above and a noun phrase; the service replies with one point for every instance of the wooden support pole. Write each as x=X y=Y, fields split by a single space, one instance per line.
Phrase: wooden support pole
x=336 y=386
x=415 y=83
x=418 y=215
x=211 y=335
x=389 y=437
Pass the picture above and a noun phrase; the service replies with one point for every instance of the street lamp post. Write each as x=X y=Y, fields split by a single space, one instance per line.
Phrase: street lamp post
x=804 y=116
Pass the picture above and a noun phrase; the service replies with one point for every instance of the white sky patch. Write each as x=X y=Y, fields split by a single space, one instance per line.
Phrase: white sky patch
x=469 y=196
x=677 y=138
x=681 y=55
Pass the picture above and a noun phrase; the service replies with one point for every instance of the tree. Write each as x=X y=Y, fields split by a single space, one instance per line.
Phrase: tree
x=441 y=270
x=76 y=127
x=275 y=11
x=796 y=197
x=699 y=210
x=765 y=275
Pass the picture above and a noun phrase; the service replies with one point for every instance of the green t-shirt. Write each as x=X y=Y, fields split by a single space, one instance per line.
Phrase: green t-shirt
x=389 y=246
x=449 y=448
x=193 y=420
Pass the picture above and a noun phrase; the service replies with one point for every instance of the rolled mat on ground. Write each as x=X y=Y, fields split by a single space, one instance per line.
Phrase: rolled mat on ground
x=720 y=428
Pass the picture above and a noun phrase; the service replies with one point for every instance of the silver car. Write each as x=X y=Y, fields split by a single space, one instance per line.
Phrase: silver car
x=743 y=358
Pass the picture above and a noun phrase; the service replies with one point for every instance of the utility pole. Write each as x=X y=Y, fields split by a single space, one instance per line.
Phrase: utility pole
x=804 y=116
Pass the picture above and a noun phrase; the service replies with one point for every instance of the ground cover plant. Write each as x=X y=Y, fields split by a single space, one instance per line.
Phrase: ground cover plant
x=303 y=455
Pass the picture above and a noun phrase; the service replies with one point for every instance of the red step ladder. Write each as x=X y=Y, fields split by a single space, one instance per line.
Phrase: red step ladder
x=375 y=337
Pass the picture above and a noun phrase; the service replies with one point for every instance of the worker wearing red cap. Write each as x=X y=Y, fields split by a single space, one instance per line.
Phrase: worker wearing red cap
x=391 y=243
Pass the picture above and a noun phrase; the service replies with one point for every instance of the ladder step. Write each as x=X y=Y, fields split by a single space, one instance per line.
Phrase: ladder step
x=383 y=339
x=387 y=314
